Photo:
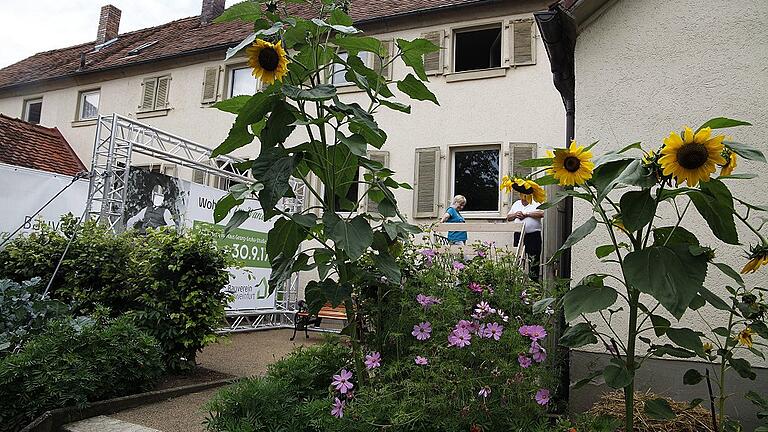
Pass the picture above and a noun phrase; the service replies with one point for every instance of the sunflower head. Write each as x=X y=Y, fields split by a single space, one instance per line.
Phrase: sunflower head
x=506 y=184
x=745 y=337
x=269 y=61
x=758 y=256
x=572 y=165
x=528 y=189
x=691 y=157
x=730 y=164
x=708 y=347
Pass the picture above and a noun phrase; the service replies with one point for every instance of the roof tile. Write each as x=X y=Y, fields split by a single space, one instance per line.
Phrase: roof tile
x=33 y=146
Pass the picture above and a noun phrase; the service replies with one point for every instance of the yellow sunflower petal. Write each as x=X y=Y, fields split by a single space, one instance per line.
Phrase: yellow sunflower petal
x=702 y=135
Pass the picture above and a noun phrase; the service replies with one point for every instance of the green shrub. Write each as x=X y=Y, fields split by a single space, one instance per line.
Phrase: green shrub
x=169 y=282
x=279 y=401
x=74 y=362
x=24 y=313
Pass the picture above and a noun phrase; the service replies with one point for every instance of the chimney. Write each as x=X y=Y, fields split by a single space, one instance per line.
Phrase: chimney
x=109 y=24
x=211 y=10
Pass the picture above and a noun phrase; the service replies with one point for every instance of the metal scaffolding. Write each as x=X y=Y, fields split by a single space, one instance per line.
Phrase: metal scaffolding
x=119 y=138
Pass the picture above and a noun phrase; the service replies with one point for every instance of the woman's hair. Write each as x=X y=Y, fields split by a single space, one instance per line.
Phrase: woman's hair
x=459 y=199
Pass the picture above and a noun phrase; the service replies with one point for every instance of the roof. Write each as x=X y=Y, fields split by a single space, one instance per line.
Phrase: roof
x=184 y=37
x=33 y=146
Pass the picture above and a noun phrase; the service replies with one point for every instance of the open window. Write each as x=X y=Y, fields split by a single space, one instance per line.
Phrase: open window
x=242 y=82
x=475 y=174
x=477 y=48
x=88 y=104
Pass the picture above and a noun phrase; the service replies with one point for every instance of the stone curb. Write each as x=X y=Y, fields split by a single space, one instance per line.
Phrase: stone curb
x=52 y=420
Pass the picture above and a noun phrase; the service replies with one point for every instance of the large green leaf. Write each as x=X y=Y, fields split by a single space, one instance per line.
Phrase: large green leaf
x=413 y=52
x=237 y=219
x=397 y=106
x=637 y=209
x=673 y=235
x=671 y=350
x=276 y=184
x=604 y=177
x=692 y=377
x=355 y=142
x=742 y=367
x=578 y=336
x=723 y=122
x=232 y=105
x=659 y=409
x=224 y=205
x=367 y=78
x=686 y=338
x=388 y=266
x=671 y=274
x=256 y=108
x=617 y=375
x=244 y=11
x=320 y=93
x=746 y=151
x=284 y=237
x=660 y=324
x=237 y=137
x=730 y=272
x=587 y=299
x=355 y=44
x=416 y=89
x=319 y=293
x=353 y=237
x=278 y=126
x=714 y=300
x=715 y=204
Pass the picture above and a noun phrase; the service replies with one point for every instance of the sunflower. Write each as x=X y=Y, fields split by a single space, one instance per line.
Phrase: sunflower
x=707 y=347
x=692 y=157
x=572 y=165
x=269 y=61
x=727 y=169
x=758 y=256
x=529 y=188
x=506 y=184
x=745 y=337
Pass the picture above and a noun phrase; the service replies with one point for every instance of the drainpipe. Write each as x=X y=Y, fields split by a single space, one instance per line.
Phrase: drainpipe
x=558 y=32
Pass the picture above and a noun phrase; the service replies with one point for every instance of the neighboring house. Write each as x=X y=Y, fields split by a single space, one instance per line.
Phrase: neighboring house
x=496 y=109
x=643 y=69
x=33 y=146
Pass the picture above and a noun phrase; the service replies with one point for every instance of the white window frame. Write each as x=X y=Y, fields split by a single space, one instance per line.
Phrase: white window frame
x=368 y=61
x=455 y=148
x=480 y=26
x=25 y=108
x=230 y=76
x=81 y=103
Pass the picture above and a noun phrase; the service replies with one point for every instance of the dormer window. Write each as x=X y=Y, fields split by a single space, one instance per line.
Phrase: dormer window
x=138 y=49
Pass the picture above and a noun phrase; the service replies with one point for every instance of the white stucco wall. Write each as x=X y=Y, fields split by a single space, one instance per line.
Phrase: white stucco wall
x=645 y=68
x=522 y=106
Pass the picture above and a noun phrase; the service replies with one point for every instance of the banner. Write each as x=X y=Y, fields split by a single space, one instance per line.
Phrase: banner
x=23 y=191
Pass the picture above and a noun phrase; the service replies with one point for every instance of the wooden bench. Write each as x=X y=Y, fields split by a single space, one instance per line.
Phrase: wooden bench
x=304 y=319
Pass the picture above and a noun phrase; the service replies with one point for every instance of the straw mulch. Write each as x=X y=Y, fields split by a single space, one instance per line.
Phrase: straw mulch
x=688 y=420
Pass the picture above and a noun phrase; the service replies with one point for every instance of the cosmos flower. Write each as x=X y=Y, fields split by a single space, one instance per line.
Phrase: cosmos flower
x=373 y=360
x=422 y=331
x=421 y=361
x=338 y=408
x=341 y=381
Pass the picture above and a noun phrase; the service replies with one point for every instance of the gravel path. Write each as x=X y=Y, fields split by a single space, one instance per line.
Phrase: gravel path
x=241 y=354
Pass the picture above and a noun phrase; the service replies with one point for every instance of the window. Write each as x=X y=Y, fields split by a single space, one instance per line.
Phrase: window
x=154 y=94
x=338 y=70
x=165 y=169
x=242 y=82
x=88 y=105
x=477 y=49
x=475 y=174
x=32 y=110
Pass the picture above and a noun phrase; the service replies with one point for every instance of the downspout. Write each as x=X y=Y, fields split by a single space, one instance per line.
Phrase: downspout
x=558 y=32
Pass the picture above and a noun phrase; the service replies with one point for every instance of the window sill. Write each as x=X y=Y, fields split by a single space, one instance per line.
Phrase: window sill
x=82 y=123
x=153 y=113
x=476 y=74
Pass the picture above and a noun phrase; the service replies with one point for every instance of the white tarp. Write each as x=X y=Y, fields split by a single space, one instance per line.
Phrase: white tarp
x=23 y=191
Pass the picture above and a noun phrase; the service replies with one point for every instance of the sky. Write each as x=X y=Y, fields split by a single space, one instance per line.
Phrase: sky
x=31 y=26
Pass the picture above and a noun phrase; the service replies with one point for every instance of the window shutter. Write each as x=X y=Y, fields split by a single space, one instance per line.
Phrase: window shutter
x=426 y=184
x=523 y=43
x=519 y=152
x=198 y=176
x=433 y=62
x=382 y=157
x=163 y=87
x=210 y=84
x=386 y=72
x=148 y=94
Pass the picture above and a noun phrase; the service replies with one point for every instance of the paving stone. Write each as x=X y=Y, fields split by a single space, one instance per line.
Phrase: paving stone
x=105 y=424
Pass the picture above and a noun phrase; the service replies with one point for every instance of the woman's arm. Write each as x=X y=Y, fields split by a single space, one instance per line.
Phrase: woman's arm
x=445 y=217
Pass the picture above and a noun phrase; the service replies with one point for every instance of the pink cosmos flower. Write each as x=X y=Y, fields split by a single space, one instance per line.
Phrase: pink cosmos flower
x=429 y=254
x=534 y=332
x=422 y=331
x=459 y=338
x=373 y=360
x=524 y=361
x=427 y=301
x=481 y=331
x=458 y=266
x=465 y=325
x=538 y=353
x=475 y=287
x=542 y=396
x=480 y=253
x=421 y=361
x=482 y=310
x=338 y=408
x=493 y=330
x=484 y=392
x=341 y=381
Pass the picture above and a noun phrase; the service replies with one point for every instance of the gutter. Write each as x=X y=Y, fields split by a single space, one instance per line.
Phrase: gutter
x=558 y=32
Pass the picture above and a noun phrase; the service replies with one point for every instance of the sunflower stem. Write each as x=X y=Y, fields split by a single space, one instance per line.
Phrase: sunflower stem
x=757 y=233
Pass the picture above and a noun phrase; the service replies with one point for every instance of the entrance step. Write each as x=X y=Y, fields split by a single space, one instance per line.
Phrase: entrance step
x=105 y=424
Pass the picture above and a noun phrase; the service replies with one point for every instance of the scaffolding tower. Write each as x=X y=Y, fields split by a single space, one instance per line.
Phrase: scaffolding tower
x=119 y=138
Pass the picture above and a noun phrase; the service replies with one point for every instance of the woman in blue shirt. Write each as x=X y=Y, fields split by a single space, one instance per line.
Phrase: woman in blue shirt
x=452 y=215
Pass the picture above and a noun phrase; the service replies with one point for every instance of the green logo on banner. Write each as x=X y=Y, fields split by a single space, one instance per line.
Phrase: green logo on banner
x=248 y=248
